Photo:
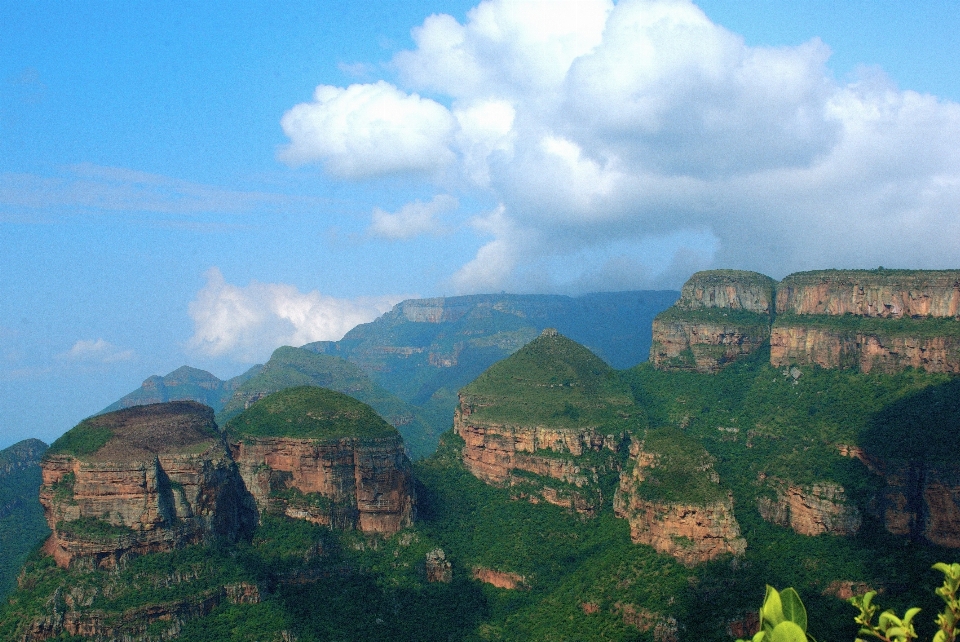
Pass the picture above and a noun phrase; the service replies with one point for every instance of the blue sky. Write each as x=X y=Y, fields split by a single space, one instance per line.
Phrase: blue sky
x=198 y=183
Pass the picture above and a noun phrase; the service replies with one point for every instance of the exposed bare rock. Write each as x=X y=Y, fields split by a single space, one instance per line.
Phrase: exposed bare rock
x=359 y=484
x=845 y=589
x=319 y=455
x=701 y=345
x=922 y=502
x=144 y=479
x=500 y=579
x=665 y=628
x=691 y=531
x=871 y=293
x=796 y=341
x=438 y=567
x=730 y=290
x=811 y=510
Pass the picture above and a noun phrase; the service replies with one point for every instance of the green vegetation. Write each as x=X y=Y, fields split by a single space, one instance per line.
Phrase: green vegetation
x=556 y=382
x=850 y=325
x=755 y=322
x=292 y=367
x=85 y=438
x=22 y=526
x=682 y=470
x=308 y=412
x=92 y=529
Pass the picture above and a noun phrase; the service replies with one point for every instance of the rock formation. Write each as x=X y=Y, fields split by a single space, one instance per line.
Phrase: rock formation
x=438 y=567
x=872 y=293
x=721 y=316
x=692 y=521
x=320 y=455
x=148 y=478
x=548 y=422
x=811 y=510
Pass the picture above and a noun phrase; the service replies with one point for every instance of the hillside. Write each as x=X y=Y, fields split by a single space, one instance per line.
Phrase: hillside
x=22 y=526
x=183 y=384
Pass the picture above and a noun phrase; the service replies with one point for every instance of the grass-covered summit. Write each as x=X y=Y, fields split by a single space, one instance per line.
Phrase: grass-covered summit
x=140 y=432
x=552 y=380
x=310 y=412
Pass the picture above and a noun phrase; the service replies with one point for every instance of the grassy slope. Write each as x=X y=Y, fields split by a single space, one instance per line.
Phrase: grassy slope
x=309 y=412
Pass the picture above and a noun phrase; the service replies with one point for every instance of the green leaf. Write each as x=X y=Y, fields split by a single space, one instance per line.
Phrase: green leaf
x=788 y=632
x=772 y=610
x=793 y=609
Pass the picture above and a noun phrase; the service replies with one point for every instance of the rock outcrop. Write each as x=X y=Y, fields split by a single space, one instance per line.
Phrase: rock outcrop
x=812 y=509
x=872 y=293
x=691 y=520
x=922 y=502
x=796 y=340
x=144 y=479
x=721 y=316
x=548 y=422
x=319 y=455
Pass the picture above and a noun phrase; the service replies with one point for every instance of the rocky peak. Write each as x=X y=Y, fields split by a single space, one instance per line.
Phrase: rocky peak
x=142 y=479
x=729 y=290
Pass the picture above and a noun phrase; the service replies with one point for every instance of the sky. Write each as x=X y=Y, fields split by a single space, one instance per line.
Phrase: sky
x=200 y=183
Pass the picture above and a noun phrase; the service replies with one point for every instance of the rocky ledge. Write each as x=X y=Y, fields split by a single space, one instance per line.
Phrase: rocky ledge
x=812 y=509
x=143 y=479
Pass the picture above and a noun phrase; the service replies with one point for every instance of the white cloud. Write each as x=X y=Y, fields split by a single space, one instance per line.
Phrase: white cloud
x=97 y=351
x=368 y=130
x=413 y=219
x=600 y=128
x=247 y=323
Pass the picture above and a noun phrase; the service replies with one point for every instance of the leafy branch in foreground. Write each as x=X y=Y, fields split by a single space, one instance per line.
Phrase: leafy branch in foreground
x=783 y=617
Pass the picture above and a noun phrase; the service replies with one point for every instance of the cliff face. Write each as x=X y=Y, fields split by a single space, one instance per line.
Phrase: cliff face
x=881 y=293
x=922 y=502
x=721 y=316
x=729 y=290
x=794 y=342
x=499 y=454
x=811 y=510
x=149 y=478
x=694 y=525
x=319 y=455
x=549 y=422
x=361 y=484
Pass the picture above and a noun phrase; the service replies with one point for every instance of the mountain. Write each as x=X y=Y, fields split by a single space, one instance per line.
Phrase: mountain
x=289 y=367
x=570 y=501
x=184 y=384
x=409 y=363
x=21 y=517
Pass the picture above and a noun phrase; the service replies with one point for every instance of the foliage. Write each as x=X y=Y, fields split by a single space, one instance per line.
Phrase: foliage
x=750 y=322
x=851 y=325
x=783 y=618
x=85 y=438
x=92 y=529
x=309 y=412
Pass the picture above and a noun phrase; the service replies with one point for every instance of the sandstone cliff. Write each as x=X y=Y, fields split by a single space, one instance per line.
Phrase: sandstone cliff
x=549 y=422
x=811 y=509
x=148 y=478
x=721 y=315
x=320 y=455
x=871 y=293
x=673 y=501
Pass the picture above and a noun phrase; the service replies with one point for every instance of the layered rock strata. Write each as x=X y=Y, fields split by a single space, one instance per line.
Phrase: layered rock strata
x=500 y=454
x=922 y=502
x=811 y=510
x=148 y=478
x=722 y=315
x=356 y=484
x=319 y=455
x=872 y=293
x=693 y=531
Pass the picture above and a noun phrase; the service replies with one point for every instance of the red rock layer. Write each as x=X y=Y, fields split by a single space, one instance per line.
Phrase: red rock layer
x=800 y=344
x=869 y=294
x=495 y=452
x=811 y=510
x=922 y=503
x=702 y=347
x=500 y=579
x=167 y=502
x=368 y=482
x=729 y=289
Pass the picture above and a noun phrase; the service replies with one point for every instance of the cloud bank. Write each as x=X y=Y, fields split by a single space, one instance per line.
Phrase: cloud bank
x=598 y=126
x=96 y=351
x=246 y=324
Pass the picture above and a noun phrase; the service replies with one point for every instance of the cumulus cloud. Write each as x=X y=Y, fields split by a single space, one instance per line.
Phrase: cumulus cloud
x=600 y=128
x=368 y=130
x=247 y=323
x=413 y=219
x=97 y=351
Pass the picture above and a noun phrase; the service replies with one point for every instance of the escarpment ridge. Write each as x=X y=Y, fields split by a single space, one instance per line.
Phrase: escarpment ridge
x=883 y=320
